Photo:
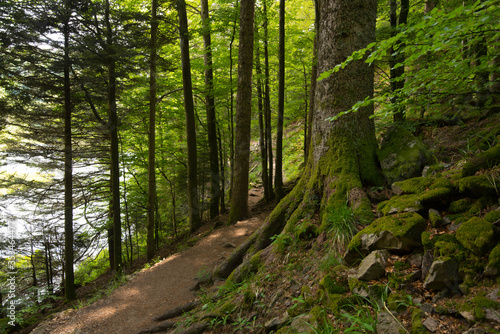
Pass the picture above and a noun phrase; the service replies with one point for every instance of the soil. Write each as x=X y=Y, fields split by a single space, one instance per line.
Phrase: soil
x=156 y=290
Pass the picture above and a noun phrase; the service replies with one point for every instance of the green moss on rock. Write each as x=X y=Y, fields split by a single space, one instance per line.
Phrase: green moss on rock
x=411 y=186
x=416 y=322
x=461 y=205
x=492 y=216
x=476 y=235
x=401 y=203
x=442 y=182
x=493 y=267
x=477 y=186
x=332 y=285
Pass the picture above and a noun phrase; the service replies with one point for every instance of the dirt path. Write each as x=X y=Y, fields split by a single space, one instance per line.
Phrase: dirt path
x=162 y=287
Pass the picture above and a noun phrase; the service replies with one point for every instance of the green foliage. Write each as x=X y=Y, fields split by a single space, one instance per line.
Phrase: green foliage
x=92 y=268
x=444 y=58
x=340 y=224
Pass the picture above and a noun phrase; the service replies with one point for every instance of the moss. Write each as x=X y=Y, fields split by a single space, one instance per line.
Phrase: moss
x=412 y=186
x=477 y=186
x=441 y=182
x=402 y=155
x=476 y=235
x=225 y=308
x=305 y=230
x=248 y=298
x=332 y=285
x=397 y=301
x=426 y=240
x=416 y=322
x=494 y=258
x=486 y=159
x=446 y=245
x=492 y=216
x=482 y=203
x=435 y=196
x=408 y=226
x=461 y=205
x=401 y=203
x=480 y=303
x=435 y=218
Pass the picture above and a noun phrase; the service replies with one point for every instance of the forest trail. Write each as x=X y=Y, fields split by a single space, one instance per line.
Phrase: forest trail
x=154 y=291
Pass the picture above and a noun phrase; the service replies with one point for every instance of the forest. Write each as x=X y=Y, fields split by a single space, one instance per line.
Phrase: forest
x=126 y=127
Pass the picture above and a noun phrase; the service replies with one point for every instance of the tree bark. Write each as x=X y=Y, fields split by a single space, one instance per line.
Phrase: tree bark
x=69 y=283
x=113 y=130
x=267 y=104
x=239 y=193
x=193 y=202
x=210 y=107
x=278 y=175
x=152 y=134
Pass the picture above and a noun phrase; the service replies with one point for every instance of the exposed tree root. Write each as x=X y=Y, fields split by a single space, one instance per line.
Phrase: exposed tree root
x=197 y=328
x=177 y=311
x=158 y=329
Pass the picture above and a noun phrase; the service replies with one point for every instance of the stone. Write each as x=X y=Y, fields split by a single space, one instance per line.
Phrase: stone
x=468 y=315
x=427 y=260
x=430 y=324
x=304 y=324
x=435 y=218
x=276 y=322
x=494 y=295
x=386 y=324
x=427 y=308
x=492 y=315
x=415 y=260
x=475 y=331
x=402 y=155
x=493 y=266
x=443 y=274
x=477 y=235
x=373 y=266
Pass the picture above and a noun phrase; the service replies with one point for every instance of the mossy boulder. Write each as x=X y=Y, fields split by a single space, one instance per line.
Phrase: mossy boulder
x=461 y=205
x=477 y=186
x=411 y=186
x=492 y=216
x=486 y=159
x=477 y=235
x=402 y=155
x=435 y=218
x=437 y=197
x=493 y=267
x=398 y=233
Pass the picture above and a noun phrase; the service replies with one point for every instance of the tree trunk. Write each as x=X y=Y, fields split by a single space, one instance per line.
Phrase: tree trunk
x=343 y=156
x=397 y=57
x=193 y=202
x=239 y=193
x=69 y=283
x=152 y=134
x=210 y=107
x=113 y=130
x=314 y=79
x=262 y=138
x=278 y=175
x=267 y=104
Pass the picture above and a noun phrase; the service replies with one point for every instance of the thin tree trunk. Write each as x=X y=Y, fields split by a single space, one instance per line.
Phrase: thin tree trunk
x=231 y=111
x=69 y=283
x=113 y=129
x=262 y=138
x=210 y=107
x=152 y=134
x=306 y=109
x=239 y=193
x=314 y=77
x=267 y=104
x=194 y=209
x=278 y=176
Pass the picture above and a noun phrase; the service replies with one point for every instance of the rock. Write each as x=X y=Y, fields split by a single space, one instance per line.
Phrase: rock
x=276 y=322
x=415 y=260
x=476 y=186
x=399 y=233
x=411 y=186
x=492 y=315
x=468 y=315
x=443 y=274
x=454 y=227
x=477 y=235
x=427 y=260
x=427 y=308
x=435 y=218
x=304 y=324
x=386 y=324
x=494 y=295
x=475 y=331
x=493 y=266
x=229 y=245
x=402 y=155
x=430 y=324
x=373 y=266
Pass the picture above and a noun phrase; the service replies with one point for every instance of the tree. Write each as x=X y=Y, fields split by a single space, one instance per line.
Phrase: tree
x=239 y=192
x=152 y=137
x=343 y=156
x=194 y=210
x=215 y=192
x=278 y=176
x=396 y=60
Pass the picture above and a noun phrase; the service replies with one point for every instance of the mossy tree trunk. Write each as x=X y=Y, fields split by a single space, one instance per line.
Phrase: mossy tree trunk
x=342 y=159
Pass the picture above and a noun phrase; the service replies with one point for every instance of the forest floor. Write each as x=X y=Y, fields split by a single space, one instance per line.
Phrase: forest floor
x=160 y=288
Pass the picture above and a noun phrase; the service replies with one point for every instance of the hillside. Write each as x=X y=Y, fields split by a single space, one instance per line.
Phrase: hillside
x=428 y=263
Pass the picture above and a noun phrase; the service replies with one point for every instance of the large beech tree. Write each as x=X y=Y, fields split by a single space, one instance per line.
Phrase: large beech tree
x=342 y=157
